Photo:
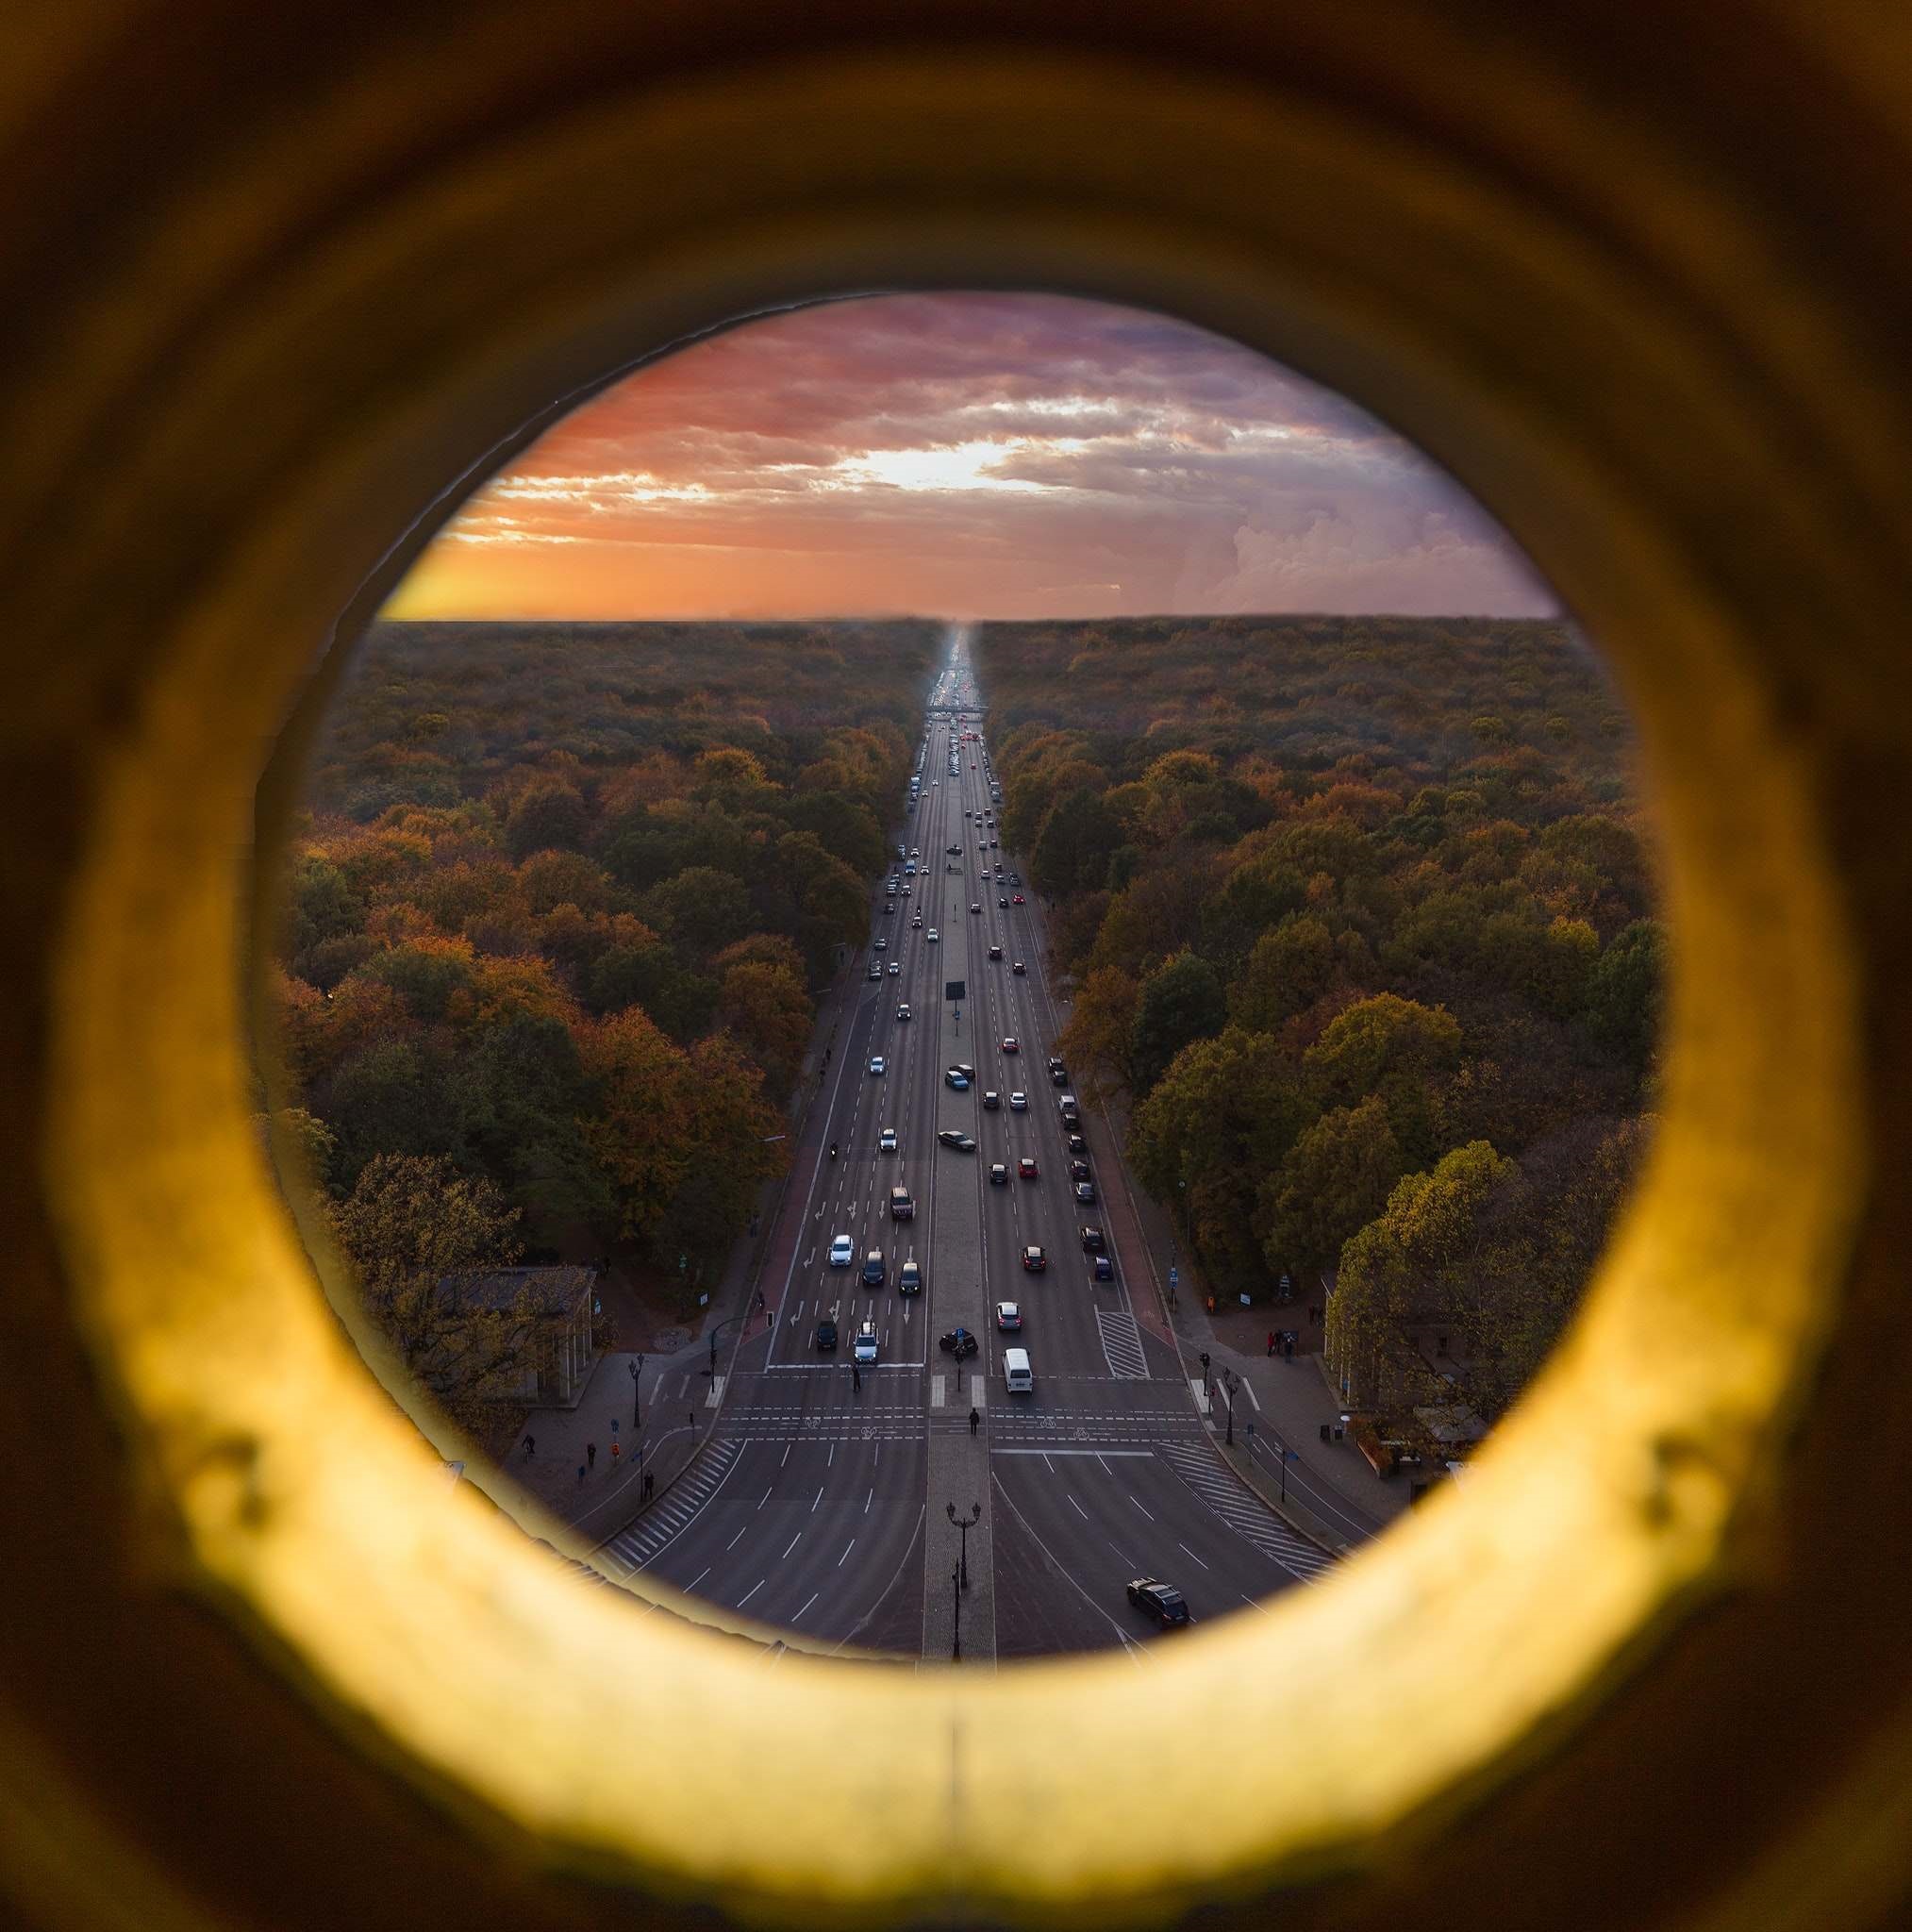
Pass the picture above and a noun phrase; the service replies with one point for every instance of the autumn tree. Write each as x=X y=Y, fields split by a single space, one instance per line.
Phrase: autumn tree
x=548 y=815
x=1336 y=1177
x=408 y=1223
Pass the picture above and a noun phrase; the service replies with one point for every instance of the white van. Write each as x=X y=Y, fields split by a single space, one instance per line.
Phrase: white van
x=1016 y=1371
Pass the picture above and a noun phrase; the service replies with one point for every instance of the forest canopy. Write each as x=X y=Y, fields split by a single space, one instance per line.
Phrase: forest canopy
x=558 y=909
x=1357 y=918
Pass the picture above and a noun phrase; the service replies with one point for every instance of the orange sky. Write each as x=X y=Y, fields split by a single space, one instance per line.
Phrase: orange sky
x=968 y=456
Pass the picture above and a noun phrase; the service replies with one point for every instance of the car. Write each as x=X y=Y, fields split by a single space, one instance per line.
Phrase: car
x=1084 y=1193
x=999 y=1174
x=895 y=968
x=954 y=1137
x=968 y=1071
x=1100 y=1268
x=930 y=936
x=886 y=1140
x=1094 y=1241
x=955 y=1077
x=1078 y=1171
x=876 y=968
x=909 y=1281
x=916 y=852
x=874 y=1272
x=1019 y=1102
x=880 y=945
x=1018 y=969
x=1059 y=1076
x=826 y=1336
x=1008 y=1316
x=1011 y=1045
x=842 y=1251
x=992 y=844
x=901 y=853
x=890 y=906
x=995 y=952
x=907 y=887
x=976 y=904
x=958 y=1342
x=915 y=924
x=1001 y=902
x=1162 y=1601
x=1026 y=1167
x=903 y=1011
x=1034 y=1259
x=1015 y=878
x=866 y=1343
x=878 y=1064
x=991 y=1100
x=954 y=851
x=1053 y=1063
x=1078 y=1144
x=1018 y=900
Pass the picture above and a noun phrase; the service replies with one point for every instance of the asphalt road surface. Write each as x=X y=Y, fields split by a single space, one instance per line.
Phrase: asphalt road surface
x=808 y=1509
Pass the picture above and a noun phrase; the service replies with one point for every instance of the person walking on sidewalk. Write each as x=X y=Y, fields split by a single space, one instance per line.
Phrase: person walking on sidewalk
x=1270 y=1341
x=617 y=1454
x=590 y=1454
x=530 y=1447
x=580 y=1476
x=976 y=1419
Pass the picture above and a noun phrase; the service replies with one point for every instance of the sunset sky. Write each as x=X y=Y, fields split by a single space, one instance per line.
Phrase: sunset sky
x=968 y=456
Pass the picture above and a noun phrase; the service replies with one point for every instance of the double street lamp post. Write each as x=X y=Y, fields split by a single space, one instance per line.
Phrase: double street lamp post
x=956 y=1593
x=965 y=1524
x=1228 y=1384
x=637 y=1369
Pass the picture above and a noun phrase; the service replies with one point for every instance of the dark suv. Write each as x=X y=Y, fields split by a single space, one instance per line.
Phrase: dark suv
x=826 y=1336
x=1162 y=1601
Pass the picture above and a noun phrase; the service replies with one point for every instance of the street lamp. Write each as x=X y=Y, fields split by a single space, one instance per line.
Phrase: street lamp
x=956 y=1593
x=637 y=1369
x=1228 y=1383
x=1208 y=1380
x=965 y=1524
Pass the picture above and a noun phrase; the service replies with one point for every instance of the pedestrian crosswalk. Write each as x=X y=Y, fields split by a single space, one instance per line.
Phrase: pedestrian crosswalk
x=632 y=1548
x=1121 y=1345
x=1199 y=1467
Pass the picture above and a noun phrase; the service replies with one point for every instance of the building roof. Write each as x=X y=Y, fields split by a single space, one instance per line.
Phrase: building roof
x=549 y=1291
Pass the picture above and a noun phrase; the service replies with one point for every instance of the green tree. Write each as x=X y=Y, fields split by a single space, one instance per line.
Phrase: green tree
x=1288 y=971
x=1182 y=1000
x=1397 y=1049
x=1335 y=1179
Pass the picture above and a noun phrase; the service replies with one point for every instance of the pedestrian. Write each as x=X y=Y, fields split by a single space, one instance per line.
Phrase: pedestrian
x=590 y=1454
x=1270 y=1341
x=530 y=1447
x=580 y=1476
x=1287 y=1349
x=976 y=1419
x=856 y=1376
x=649 y=1485
x=693 y=1421
x=617 y=1450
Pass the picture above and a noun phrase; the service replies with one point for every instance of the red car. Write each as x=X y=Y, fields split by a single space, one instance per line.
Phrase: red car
x=1026 y=1167
x=1034 y=1259
x=1010 y=1045
x=1018 y=900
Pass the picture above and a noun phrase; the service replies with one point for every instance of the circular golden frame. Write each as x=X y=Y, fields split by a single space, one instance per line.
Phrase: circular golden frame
x=271 y=381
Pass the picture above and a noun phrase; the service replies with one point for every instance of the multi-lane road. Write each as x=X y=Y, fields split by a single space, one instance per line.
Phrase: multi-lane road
x=817 y=1505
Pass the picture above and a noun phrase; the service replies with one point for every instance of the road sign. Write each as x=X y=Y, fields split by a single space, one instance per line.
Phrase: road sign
x=956 y=989
x=1175 y=1277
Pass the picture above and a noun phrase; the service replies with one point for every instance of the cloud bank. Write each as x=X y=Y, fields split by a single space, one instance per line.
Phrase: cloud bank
x=970 y=455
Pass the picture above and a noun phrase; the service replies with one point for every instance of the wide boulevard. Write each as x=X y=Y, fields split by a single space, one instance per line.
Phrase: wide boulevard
x=822 y=1502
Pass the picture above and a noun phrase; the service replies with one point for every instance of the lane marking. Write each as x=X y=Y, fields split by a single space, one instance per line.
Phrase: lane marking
x=1183 y=1547
x=799 y=1537
x=812 y=1599
x=736 y=1540
x=752 y=1591
x=847 y=1548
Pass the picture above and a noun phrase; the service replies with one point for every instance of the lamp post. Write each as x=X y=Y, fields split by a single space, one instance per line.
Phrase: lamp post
x=1228 y=1384
x=1208 y=1380
x=637 y=1369
x=956 y=1593
x=965 y=1524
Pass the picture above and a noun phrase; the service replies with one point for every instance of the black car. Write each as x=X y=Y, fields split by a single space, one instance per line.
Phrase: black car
x=1100 y=1268
x=1092 y=1242
x=1078 y=1171
x=1003 y=900
x=995 y=952
x=953 y=1137
x=1078 y=1144
x=1084 y=1193
x=826 y=1336
x=1162 y=1601
x=1058 y=1075
x=960 y=1343
x=1019 y=967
